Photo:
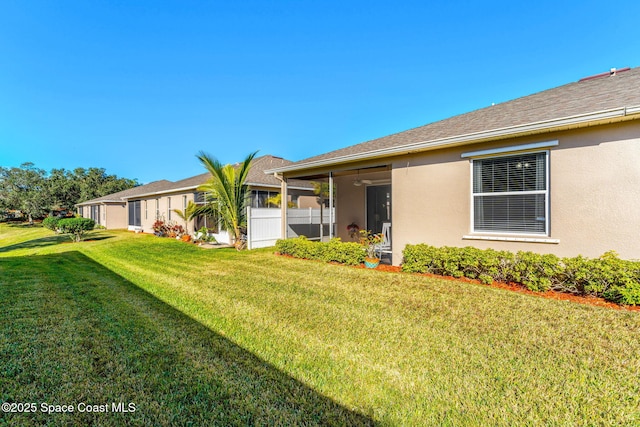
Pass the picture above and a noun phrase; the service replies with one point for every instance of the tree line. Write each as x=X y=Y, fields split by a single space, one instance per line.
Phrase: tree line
x=35 y=192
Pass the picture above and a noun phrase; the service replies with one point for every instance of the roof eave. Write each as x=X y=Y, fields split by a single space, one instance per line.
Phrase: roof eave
x=161 y=192
x=563 y=123
x=99 y=202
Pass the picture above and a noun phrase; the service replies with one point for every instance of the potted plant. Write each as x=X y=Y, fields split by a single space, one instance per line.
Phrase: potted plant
x=370 y=242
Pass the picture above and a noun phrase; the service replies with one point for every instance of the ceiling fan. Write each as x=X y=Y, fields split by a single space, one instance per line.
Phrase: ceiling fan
x=358 y=182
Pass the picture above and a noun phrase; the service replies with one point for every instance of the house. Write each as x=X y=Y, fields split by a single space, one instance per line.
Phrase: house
x=110 y=211
x=553 y=172
x=137 y=209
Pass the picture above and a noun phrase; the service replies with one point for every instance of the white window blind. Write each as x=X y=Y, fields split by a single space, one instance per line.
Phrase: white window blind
x=510 y=194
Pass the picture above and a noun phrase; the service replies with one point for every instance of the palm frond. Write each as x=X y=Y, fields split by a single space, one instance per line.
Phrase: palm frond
x=227 y=186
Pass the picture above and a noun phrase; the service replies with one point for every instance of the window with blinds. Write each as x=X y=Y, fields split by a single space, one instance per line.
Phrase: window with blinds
x=510 y=194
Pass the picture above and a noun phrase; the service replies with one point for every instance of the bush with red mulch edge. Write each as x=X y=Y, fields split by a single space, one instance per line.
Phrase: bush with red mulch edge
x=514 y=287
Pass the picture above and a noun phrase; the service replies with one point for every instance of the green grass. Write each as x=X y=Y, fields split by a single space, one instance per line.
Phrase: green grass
x=218 y=337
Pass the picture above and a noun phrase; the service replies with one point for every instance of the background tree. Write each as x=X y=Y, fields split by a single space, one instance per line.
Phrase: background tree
x=94 y=182
x=35 y=193
x=228 y=192
x=64 y=189
x=25 y=189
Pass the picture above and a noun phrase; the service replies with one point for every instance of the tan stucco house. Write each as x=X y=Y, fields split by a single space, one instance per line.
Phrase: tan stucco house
x=138 y=208
x=110 y=211
x=553 y=172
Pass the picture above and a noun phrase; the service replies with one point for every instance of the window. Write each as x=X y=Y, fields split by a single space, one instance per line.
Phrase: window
x=511 y=194
x=199 y=197
x=168 y=208
x=146 y=212
x=184 y=203
x=157 y=209
x=259 y=198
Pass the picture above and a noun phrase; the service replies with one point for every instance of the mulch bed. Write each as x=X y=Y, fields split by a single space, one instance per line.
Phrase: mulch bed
x=514 y=287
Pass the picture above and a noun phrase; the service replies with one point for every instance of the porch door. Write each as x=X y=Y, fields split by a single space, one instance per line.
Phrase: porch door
x=134 y=213
x=378 y=206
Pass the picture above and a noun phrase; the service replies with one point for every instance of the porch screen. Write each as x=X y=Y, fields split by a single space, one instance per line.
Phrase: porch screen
x=510 y=194
x=95 y=213
x=134 y=213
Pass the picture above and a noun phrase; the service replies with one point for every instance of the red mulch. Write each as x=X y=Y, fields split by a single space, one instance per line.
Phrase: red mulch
x=515 y=287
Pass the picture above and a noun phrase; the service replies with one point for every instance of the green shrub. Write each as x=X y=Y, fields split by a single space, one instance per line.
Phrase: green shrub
x=349 y=253
x=608 y=276
x=51 y=222
x=537 y=272
x=76 y=227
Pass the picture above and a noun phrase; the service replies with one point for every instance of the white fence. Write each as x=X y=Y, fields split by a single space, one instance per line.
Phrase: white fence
x=263 y=225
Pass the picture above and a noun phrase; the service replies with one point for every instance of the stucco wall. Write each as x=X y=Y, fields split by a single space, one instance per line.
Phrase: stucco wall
x=594 y=189
x=148 y=215
x=116 y=215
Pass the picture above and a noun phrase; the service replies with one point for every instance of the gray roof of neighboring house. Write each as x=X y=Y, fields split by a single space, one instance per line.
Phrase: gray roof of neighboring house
x=590 y=100
x=120 y=196
x=256 y=178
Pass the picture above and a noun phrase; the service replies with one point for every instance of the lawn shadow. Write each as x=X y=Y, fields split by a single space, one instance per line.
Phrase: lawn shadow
x=107 y=340
x=47 y=241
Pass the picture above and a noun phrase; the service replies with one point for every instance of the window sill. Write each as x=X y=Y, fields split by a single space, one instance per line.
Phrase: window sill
x=513 y=239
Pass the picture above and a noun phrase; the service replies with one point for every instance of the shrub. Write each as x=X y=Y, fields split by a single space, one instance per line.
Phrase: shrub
x=76 y=227
x=160 y=228
x=51 y=222
x=335 y=250
x=608 y=276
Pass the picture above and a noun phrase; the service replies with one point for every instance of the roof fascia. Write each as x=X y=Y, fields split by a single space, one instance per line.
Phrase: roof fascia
x=195 y=187
x=162 y=192
x=620 y=113
x=291 y=187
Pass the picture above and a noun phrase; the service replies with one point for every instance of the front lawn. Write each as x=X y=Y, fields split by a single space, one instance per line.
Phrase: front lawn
x=195 y=337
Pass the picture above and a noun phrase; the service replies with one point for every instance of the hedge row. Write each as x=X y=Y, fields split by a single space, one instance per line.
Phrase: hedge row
x=607 y=276
x=349 y=253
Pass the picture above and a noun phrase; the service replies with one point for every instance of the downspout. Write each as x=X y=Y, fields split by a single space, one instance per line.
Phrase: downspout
x=284 y=197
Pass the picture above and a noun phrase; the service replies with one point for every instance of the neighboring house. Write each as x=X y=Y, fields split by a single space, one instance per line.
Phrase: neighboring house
x=110 y=211
x=553 y=172
x=159 y=203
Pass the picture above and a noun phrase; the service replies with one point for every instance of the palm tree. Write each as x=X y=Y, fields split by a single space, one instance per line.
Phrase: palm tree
x=228 y=190
x=277 y=200
x=190 y=211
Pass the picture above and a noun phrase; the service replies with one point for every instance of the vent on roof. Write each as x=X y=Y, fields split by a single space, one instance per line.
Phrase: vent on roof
x=611 y=72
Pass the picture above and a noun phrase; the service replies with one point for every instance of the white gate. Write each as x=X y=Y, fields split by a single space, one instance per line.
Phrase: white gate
x=264 y=225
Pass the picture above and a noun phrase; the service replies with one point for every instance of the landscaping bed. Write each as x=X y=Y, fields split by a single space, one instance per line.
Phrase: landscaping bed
x=607 y=278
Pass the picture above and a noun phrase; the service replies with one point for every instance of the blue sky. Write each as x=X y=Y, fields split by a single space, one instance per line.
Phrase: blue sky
x=139 y=88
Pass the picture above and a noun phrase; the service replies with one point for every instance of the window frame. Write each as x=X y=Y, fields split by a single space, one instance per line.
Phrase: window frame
x=546 y=192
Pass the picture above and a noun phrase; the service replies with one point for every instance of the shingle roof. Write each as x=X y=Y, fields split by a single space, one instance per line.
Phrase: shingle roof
x=120 y=196
x=579 y=98
x=256 y=178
